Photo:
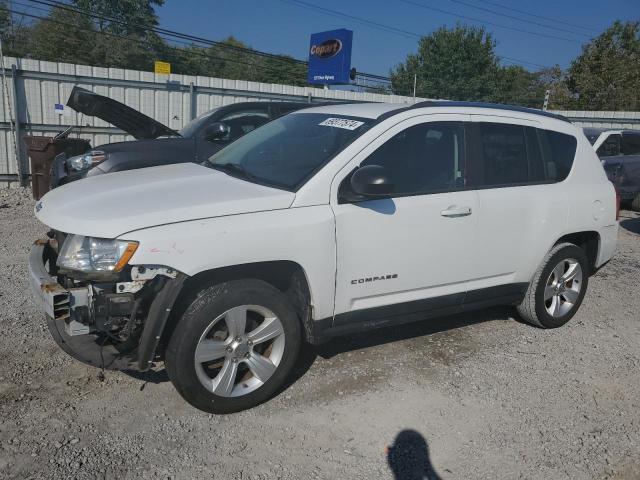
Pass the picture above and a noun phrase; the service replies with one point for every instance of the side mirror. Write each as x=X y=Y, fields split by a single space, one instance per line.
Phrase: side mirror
x=217 y=131
x=372 y=181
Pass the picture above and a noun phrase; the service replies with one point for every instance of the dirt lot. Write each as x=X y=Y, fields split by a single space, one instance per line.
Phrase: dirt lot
x=490 y=396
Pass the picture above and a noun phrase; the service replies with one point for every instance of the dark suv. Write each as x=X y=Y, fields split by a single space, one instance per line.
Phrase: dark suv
x=157 y=144
x=619 y=151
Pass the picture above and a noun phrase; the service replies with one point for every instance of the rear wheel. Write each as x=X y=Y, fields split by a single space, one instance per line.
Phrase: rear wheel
x=558 y=287
x=234 y=346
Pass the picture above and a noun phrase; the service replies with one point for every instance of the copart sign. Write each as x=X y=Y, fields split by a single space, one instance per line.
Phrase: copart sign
x=330 y=57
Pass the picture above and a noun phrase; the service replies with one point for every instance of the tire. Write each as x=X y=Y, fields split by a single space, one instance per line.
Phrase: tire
x=635 y=203
x=212 y=325
x=566 y=297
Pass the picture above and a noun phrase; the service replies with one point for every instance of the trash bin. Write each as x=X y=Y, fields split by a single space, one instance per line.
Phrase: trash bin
x=42 y=151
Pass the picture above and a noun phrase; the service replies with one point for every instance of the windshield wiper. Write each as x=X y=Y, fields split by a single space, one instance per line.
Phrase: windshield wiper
x=234 y=169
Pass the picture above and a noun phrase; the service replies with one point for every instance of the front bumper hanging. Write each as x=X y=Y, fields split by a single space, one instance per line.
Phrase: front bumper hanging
x=64 y=307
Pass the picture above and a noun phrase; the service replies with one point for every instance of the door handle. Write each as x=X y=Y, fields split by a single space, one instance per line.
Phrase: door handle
x=455 y=211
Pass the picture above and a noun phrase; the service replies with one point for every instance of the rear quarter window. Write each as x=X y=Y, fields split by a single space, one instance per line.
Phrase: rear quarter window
x=559 y=150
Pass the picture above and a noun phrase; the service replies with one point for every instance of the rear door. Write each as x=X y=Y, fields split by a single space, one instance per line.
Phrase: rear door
x=520 y=205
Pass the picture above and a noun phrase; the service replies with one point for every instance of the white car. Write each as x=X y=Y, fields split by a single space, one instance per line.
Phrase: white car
x=327 y=221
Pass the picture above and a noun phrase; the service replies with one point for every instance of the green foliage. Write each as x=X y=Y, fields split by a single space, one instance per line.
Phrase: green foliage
x=606 y=75
x=130 y=17
x=71 y=40
x=118 y=35
x=456 y=64
x=461 y=64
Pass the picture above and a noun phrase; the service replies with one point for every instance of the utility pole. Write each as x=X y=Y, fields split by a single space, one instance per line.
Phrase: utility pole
x=415 y=81
x=545 y=105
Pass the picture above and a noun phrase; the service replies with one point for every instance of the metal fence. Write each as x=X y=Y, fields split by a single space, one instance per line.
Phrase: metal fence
x=31 y=90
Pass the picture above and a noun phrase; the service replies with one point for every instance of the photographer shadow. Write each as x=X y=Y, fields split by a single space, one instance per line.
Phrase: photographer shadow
x=408 y=457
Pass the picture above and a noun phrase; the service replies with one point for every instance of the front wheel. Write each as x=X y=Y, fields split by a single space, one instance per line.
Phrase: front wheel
x=558 y=287
x=234 y=346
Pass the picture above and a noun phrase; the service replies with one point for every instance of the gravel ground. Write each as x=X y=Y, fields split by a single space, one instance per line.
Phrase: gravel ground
x=471 y=396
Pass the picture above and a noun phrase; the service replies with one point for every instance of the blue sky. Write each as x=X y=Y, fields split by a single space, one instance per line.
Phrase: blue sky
x=280 y=26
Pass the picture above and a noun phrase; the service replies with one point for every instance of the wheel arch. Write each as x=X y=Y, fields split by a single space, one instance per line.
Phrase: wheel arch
x=589 y=241
x=287 y=276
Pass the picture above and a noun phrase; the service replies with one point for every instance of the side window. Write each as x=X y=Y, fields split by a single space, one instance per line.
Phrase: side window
x=425 y=158
x=501 y=154
x=559 y=152
x=630 y=144
x=508 y=155
x=610 y=147
x=242 y=122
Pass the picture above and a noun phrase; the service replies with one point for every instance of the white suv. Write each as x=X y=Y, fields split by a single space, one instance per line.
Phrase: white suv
x=326 y=221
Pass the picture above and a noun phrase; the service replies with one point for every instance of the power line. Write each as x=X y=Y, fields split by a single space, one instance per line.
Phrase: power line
x=497 y=25
x=383 y=27
x=360 y=20
x=542 y=17
x=193 y=38
x=519 y=19
x=143 y=42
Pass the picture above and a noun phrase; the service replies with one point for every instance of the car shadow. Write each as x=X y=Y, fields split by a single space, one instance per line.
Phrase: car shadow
x=377 y=337
x=382 y=336
x=408 y=457
x=631 y=224
x=150 y=376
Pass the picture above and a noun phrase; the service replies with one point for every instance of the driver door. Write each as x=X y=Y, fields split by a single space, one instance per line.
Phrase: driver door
x=412 y=252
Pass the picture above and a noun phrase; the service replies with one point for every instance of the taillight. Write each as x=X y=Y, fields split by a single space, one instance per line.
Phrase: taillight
x=617 y=204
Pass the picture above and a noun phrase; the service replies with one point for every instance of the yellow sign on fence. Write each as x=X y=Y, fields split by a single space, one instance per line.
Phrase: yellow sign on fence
x=162 y=67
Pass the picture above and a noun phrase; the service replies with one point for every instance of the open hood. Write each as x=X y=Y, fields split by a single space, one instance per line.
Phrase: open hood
x=107 y=206
x=118 y=114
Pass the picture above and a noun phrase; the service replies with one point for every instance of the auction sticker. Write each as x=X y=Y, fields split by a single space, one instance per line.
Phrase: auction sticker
x=341 y=123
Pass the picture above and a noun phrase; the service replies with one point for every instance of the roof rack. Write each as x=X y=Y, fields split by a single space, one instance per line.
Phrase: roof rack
x=452 y=103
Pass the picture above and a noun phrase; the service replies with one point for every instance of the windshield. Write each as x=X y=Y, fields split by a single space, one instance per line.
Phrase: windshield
x=286 y=152
x=191 y=128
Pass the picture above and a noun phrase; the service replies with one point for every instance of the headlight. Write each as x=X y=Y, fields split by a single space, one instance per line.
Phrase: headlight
x=85 y=161
x=88 y=254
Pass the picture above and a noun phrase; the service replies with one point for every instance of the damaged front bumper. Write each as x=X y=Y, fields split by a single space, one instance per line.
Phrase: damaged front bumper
x=77 y=315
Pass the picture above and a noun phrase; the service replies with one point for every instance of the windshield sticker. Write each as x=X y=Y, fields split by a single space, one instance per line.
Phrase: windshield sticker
x=341 y=123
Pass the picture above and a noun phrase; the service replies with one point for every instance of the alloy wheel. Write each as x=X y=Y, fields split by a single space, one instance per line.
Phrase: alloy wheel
x=563 y=286
x=239 y=350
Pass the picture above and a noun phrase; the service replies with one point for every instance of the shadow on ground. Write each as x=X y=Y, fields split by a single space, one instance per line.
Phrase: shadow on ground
x=631 y=224
x=408 y=457
x=373 y=338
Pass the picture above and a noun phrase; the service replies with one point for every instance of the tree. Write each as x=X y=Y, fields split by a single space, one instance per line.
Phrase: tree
x=455 y=64
x=14 y=34
x=554 y=79
x=516 y=85
x=129 y=16
x=125 y=38
x=606 y=75
x=67 y=37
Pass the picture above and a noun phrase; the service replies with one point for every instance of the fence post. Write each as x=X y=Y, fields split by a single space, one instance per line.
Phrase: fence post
x=192 y=101
x=16 y=122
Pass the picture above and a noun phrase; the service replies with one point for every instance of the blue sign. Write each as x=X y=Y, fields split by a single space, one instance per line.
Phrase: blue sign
x=330 y=57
